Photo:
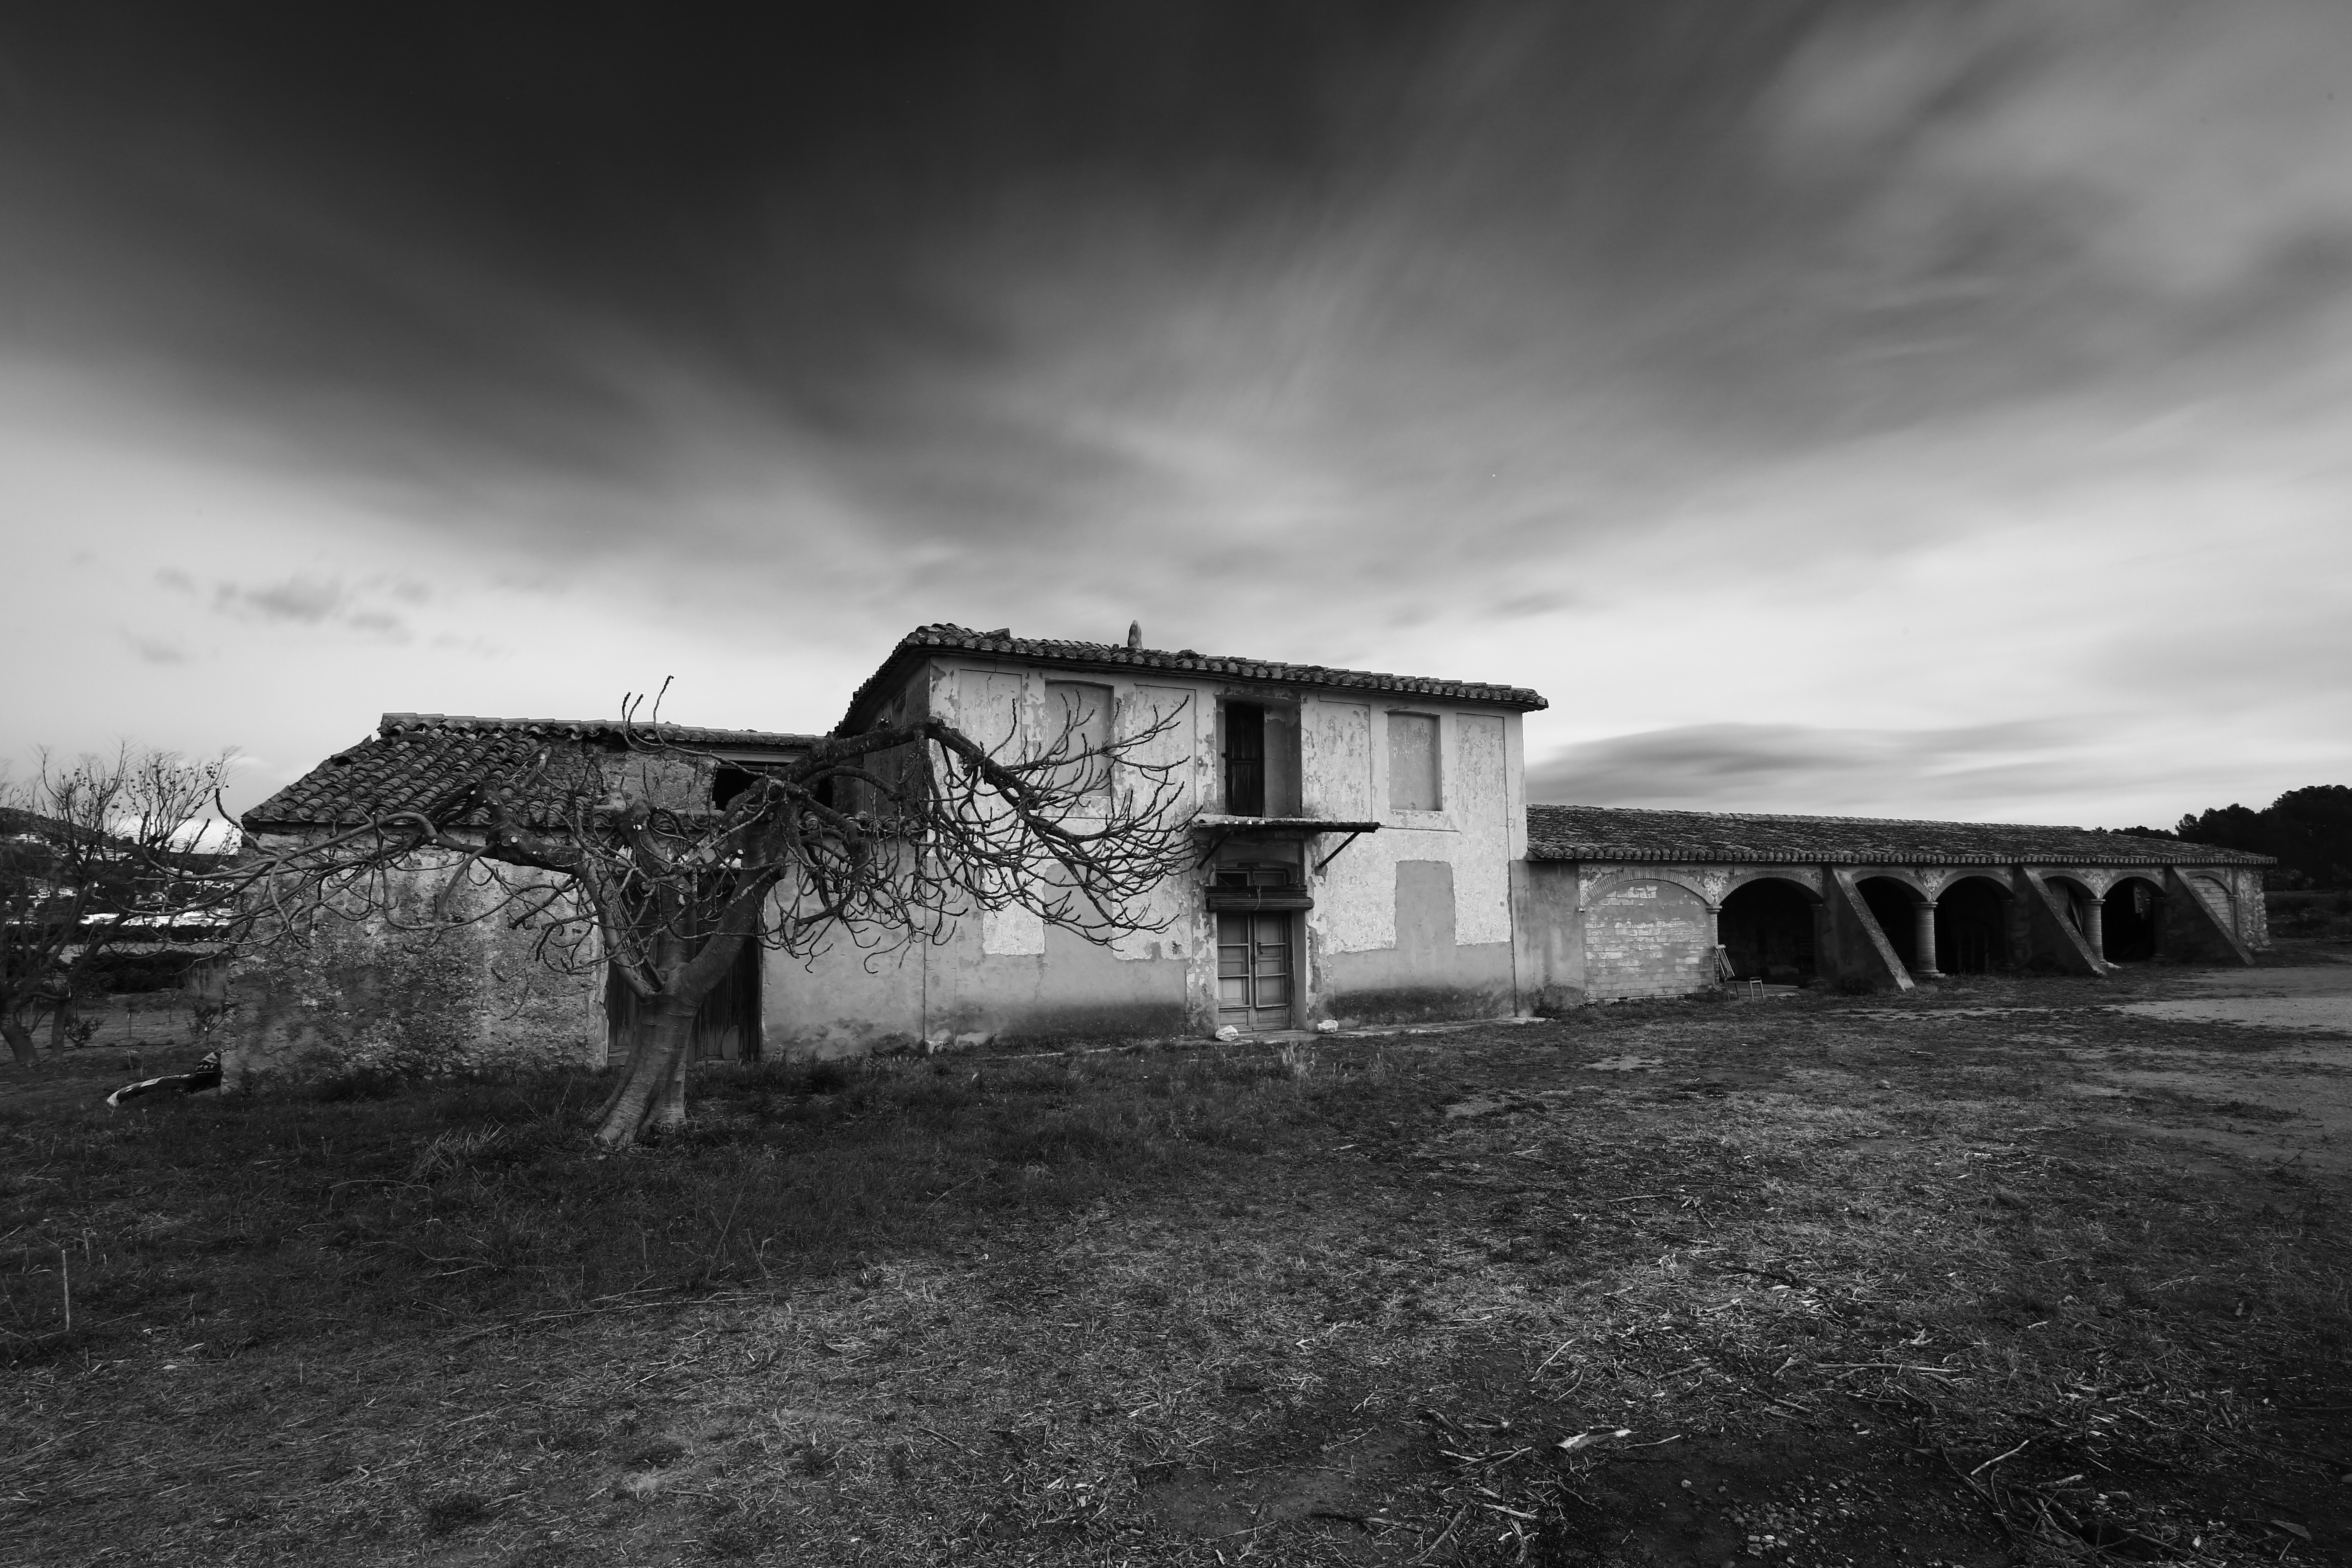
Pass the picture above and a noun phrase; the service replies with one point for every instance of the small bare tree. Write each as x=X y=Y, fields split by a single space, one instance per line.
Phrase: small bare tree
x=85 y=851
x=882 y=840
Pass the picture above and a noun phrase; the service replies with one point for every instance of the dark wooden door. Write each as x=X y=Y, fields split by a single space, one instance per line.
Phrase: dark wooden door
x=725 y=1026
x=1254 y=970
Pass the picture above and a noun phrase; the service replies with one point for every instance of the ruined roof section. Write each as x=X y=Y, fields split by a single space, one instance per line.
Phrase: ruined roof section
x=1615 y=833
x=926 y=641
x=591 y=730
x=432 y=762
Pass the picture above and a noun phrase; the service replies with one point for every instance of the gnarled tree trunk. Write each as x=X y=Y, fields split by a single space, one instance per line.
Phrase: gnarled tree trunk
x=652 y=1093
x=20 y=1042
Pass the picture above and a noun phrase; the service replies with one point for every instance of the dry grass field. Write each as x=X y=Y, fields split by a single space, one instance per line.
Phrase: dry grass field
x=2001 y=1273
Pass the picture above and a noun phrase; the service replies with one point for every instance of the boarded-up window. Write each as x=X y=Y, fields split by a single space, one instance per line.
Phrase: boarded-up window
x=1077 y=719
x=1412 y=762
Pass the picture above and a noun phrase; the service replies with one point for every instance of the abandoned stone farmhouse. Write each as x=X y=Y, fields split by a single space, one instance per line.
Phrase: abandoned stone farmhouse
x=1366 y=856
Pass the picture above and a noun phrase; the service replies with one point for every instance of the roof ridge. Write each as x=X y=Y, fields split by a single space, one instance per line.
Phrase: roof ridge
x=1563 y=831
x=1811 y=816
x=947 y=634
x=471 y=723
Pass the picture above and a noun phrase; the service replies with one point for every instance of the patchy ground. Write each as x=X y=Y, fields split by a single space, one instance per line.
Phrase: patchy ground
x=2036 y=1271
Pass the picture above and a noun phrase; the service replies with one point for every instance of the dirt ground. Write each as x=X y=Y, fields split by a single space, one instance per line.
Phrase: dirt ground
x=2039 y=1271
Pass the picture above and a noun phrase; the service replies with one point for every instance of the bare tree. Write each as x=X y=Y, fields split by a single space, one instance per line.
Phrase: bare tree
x=882 y=840
x=86 y=851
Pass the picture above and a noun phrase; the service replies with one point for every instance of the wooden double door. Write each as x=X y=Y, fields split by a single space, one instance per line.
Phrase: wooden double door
x=1255 y=969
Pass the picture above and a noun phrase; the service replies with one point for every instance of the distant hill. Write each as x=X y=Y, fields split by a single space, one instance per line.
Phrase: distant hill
x=15 y=820
x=2308 y=830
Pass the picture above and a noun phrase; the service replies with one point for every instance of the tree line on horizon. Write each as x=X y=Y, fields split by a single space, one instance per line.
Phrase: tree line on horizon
x=2308 y=831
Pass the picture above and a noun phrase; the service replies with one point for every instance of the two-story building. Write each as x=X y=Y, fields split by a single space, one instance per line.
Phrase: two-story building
x=1356 y=836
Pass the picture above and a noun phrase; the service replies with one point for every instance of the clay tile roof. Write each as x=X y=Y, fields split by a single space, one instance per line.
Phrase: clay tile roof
x=1110 y=657
x=1616 y=833
x=430 y=763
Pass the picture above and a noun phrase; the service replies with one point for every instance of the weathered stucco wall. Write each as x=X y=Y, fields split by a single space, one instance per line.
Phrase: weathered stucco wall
x=361 y=996
x=1549 y=936
x=1413 y=921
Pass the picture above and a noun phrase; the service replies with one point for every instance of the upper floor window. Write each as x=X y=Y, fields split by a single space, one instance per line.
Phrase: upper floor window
x=1245 y=759
x=1414 y=782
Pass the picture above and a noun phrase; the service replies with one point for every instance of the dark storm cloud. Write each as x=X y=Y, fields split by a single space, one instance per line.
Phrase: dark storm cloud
x=995 y=278
x=481 y=221
x=912 y=249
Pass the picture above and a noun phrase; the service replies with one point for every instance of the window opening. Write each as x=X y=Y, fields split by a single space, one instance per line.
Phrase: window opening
x=1245 y=759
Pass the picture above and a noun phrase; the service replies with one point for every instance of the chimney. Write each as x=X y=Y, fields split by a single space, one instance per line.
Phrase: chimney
x=1135 y=634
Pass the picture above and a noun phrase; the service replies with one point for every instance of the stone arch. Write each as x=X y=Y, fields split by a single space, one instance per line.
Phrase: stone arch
x=1647 y=934
x=2214 y=890
x=1770 y=929
x=2133 y=918
x=1793 y=876
x=1902 y=874
x=1935 y=879
x=2076 y=892
x=1895 y=898
x=1609 y=882
x=1974 y=916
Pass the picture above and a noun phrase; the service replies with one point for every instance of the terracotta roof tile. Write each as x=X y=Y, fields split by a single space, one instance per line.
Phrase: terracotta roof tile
x=430 y=763
x=1616 y=833
x=942 y=638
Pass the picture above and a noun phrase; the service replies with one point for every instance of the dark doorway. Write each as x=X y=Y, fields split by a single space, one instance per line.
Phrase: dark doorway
x=725 y=1026
x=1254 y=970
x=1766 y=930
x=1892 y=904
x=2135 y=911
x=1972 y=928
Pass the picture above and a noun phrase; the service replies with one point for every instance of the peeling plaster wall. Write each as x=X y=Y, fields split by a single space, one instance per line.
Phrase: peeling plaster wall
x=1377 y=951
x=361 y=996
x=1412 y=922
x=2253 y=911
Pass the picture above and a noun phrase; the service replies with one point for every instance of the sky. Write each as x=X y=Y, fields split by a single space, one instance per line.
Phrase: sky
x=1937 y=410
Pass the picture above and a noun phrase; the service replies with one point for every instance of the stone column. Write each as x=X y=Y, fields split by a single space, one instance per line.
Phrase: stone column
x=1923 y=941
x=2094 y=926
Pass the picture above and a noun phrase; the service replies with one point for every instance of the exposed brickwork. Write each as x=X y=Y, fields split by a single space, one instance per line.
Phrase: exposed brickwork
x=1647 y=939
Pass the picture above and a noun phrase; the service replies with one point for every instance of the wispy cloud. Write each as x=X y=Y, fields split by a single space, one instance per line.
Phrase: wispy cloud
x=1796 y=767
x=311 y=602
x=305 y=600
x=155 y=650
